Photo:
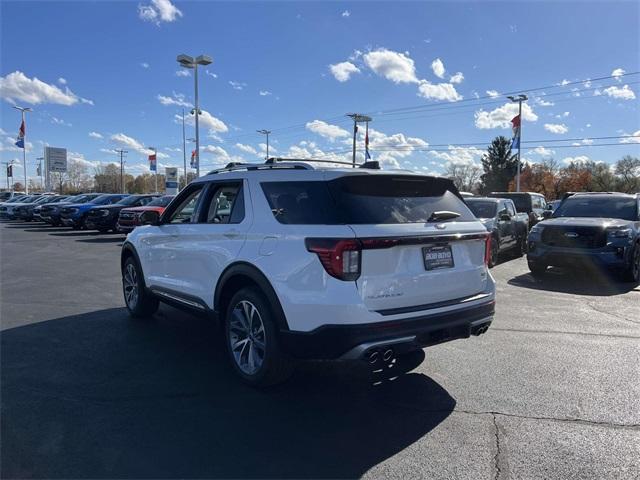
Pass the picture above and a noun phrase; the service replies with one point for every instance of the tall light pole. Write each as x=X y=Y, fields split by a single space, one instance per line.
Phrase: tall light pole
x=122 y=153
x=357 y=118
x=520 y=98
x=155 y=154
x=23 y=132
x=184 y=150
x=187 y=61
x=266 y=133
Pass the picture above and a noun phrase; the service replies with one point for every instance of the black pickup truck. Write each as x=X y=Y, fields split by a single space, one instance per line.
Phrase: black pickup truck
x=508 y=228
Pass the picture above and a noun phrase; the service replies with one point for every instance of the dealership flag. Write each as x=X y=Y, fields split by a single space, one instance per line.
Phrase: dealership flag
x=194 y=162
x=153 y=163
x=515 y=126
x=21 y=133
x=367 y=155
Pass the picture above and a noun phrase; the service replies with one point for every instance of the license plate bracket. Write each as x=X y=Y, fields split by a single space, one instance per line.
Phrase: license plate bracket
x=437 y=256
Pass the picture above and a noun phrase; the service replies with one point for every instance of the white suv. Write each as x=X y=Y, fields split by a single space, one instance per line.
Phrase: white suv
x=315 y=263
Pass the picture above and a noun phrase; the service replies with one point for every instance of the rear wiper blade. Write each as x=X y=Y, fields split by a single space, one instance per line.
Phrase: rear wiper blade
x=442 y=215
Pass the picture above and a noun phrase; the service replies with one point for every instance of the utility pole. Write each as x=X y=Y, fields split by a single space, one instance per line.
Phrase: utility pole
x=155 y=154
x=520 y=98
x=184 y=150
x=357 y=118
x=122 y=153
x=266 y=133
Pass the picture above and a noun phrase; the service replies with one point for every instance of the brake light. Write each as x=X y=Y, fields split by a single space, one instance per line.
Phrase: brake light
x=340 y=257
x=487 y=249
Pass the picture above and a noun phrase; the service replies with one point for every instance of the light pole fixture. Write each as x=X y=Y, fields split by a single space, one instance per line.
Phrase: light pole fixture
x=188 y=61
x=357 y=118
x=518 y=133
x=23 y=136
x=266 y=133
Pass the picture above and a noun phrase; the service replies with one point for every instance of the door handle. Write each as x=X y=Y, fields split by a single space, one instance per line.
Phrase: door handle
x=232 y=234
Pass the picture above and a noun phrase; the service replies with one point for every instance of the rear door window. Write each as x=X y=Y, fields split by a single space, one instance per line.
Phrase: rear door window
x=226 y=205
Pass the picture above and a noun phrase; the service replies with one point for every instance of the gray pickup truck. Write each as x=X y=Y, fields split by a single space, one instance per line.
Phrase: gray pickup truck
x=508 y=227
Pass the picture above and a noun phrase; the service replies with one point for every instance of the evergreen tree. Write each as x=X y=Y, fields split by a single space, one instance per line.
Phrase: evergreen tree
x=500 y=166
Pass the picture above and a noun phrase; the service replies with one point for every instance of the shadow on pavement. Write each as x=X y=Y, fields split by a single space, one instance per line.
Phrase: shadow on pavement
x=75 y=233
x=103 y=239
x=99 y=395
x=579 y=281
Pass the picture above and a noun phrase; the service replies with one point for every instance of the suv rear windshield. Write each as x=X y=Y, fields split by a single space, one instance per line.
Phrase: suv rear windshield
x=482 y=208
x=363 y=199
x=521 y=201
x=600 y=207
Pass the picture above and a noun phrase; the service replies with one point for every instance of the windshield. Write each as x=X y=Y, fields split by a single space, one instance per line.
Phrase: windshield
x=129 y=200
x=160 y=201
x=84 y=198
x=482 y=208
x=599 y=207
x=103 y=199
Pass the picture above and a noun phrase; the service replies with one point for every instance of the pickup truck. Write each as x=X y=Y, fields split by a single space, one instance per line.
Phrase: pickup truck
x=508 y=228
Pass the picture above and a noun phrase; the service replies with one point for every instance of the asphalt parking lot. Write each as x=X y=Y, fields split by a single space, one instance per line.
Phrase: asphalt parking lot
x=551 y=391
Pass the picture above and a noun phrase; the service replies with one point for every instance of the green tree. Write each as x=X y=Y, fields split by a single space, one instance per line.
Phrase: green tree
x=499 y=165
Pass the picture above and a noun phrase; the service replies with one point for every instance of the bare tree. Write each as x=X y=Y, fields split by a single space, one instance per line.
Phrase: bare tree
x=465 y=176
x=628 y=171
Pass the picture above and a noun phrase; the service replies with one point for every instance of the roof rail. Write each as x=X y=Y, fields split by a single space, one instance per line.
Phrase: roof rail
x=235 y=166
x=273 y=160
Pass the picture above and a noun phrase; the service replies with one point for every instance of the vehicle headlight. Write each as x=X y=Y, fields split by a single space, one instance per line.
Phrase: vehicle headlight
x=536 y=230
x=620 y=233
x=74 y=210
x=104 y=213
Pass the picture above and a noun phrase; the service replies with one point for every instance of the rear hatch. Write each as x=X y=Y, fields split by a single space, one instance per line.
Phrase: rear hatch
x=415 y=254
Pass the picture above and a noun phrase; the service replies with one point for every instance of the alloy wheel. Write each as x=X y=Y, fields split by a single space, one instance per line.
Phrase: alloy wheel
x=636 y=263
x=247 y=337
x=130 y=282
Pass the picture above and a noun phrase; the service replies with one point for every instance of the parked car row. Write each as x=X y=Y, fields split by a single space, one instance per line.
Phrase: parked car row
x=92 y=211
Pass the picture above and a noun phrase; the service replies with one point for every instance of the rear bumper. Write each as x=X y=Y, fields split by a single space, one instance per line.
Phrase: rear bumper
x=611 y=256
x=351 y=342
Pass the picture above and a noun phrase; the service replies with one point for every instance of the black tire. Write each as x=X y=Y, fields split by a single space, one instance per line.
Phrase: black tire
x=256 y=357
x=537 y=269
x=141 y=303
x=493 y=257
x=632 y=272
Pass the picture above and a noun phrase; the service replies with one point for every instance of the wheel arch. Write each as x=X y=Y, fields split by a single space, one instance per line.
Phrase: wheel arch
x=242 y=274
x=127 y=251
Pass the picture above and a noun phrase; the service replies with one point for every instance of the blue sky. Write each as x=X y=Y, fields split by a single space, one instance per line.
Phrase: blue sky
x=107 y=78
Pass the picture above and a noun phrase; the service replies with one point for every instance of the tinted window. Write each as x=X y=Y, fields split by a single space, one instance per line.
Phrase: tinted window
x=482 y=208
x=185 y=211
x=226 y=202
x=134 y=200
x=363 y=200
x=160 y=201
x=601 y=207
x=85 y=198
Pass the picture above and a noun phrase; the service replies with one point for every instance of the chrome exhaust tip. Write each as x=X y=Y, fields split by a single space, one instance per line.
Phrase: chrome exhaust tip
x=387 y=355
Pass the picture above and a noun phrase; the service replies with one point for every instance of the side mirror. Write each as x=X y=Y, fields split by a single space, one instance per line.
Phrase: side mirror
x=150 y=217
x=505 y=217
x=547 y=214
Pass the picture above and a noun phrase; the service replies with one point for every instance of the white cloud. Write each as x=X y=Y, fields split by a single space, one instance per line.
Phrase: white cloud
x=178 y=99
x=159 y=11
x=205 y=119
x=342 y=71
x=438 y=91
x=501 y=116
x=62 y=81
x=17 y=86
x=438 y=68
x=326 y=130
x=622 y=93
x=144 y=65
x=565 y=82
x=618 y=72
x=264 y=93
x=543 y=103
x=211 y=74
x=557 y=128
x=394 y=66
x=543 y=151
x=459 y=155
x=247 y=148
x=562 y=115
x=346 y=14
x=493 y=93
x=457 y=78
x=95 y=135
x=586 y=141
x=59 y=121
x=183 y=73
x=129 y=142
x=633 y=138
x=237 y=85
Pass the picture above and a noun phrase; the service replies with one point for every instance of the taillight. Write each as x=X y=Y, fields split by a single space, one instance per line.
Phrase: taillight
x=487 y=249
x=340 y=257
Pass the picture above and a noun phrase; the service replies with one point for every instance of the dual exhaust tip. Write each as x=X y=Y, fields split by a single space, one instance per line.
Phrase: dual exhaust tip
x=375 y=355
x=482 y=329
